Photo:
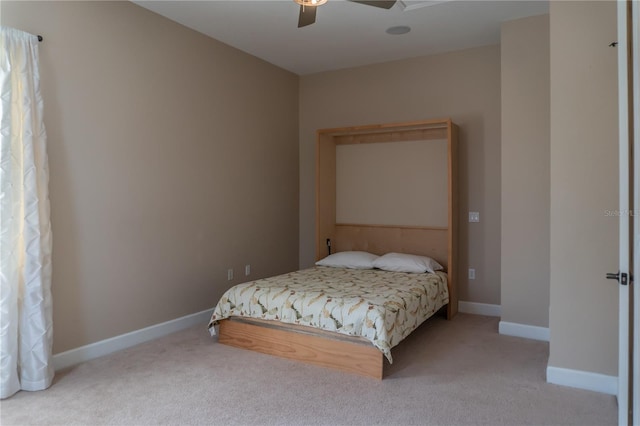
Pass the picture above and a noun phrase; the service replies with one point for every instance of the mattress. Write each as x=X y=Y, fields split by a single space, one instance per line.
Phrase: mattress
x=380 y=306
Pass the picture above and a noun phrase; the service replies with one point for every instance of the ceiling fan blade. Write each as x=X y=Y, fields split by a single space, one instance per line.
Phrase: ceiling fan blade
x=384 y=4
x=307 y=16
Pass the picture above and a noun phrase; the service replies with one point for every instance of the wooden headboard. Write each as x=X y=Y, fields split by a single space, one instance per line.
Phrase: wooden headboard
x=434 y=241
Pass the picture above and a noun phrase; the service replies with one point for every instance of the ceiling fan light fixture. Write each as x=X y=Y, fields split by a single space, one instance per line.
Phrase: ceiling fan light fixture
x=310 y=2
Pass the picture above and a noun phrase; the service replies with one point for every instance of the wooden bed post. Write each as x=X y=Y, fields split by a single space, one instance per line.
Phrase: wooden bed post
x=452 y=269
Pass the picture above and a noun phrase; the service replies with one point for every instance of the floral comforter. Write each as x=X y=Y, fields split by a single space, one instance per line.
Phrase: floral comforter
x=383 y=307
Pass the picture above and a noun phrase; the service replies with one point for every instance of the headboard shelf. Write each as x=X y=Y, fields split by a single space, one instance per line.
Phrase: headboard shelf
x=435 y=241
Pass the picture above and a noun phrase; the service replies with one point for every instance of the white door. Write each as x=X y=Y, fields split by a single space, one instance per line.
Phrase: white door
x=634 y=115
x=629 y=151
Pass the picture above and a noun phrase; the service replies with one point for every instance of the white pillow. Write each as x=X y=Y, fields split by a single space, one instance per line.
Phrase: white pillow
x=349 y=259
x=400 y=262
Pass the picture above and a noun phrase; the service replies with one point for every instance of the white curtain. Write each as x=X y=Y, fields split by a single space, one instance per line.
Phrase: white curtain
x=26 y=329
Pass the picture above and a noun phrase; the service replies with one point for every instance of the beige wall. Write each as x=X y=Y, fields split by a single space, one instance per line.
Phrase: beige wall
x=525 y=171
x=395 y=183
x=463 y=85
x=173 y=157
x=584 y=184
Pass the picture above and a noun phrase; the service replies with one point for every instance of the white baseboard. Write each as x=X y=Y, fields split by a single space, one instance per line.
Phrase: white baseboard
x=479 y=308
x=113 y=344
x=582 y=380
x=524 y=330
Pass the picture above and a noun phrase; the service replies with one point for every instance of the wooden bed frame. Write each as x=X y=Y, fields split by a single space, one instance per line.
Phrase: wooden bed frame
x=333 y=350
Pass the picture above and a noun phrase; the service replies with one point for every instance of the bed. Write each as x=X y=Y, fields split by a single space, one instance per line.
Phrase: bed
x=309 y=322
x=380 y=306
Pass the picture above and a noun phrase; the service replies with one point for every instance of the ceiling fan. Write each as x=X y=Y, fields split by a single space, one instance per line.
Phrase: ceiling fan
x=308 y=8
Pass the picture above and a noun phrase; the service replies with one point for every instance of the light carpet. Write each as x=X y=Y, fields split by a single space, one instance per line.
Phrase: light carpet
x=457 y=372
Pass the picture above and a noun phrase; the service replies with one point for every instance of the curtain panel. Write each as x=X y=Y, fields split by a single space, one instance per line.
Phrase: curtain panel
x=26 y=329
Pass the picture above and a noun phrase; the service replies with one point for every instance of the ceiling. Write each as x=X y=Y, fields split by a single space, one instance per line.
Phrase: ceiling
x=346 y=34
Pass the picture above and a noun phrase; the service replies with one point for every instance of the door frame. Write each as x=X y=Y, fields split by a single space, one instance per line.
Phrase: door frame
x=635 y=294
x=629 y=186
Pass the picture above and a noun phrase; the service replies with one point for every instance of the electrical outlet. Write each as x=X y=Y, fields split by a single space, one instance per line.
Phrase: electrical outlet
x=229 y=274
x=247 y=269
x=474 y=216
x=472 y=274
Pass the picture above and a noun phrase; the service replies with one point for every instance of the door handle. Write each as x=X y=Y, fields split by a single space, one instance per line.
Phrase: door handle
x=621 y=277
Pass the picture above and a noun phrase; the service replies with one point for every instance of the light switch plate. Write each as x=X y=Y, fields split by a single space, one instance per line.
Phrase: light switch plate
x=474 y=216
